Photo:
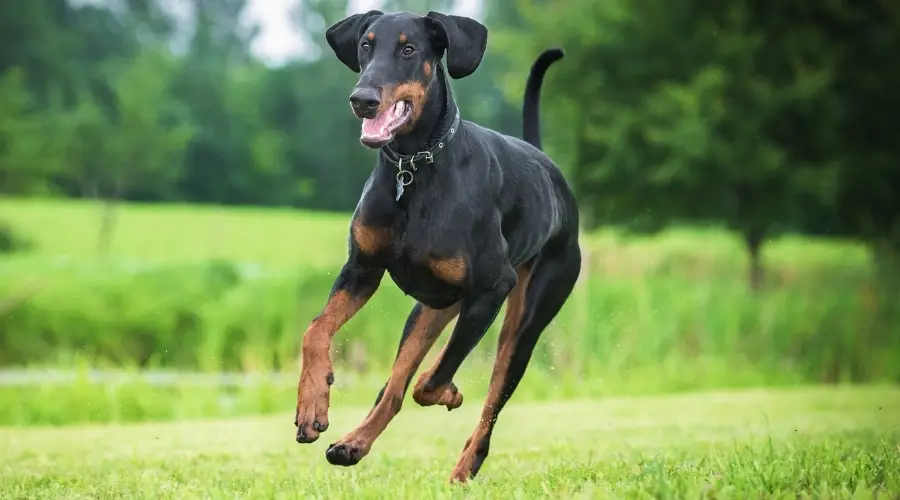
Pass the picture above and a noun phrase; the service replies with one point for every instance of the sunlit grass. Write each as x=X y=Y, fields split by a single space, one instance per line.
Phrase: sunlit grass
x=814 y=442
x=288 y=237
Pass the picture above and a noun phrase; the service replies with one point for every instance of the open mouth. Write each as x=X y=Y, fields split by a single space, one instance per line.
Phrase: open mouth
x=378 y=131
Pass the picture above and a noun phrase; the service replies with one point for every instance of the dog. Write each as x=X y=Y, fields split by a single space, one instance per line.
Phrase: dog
x=461 y=217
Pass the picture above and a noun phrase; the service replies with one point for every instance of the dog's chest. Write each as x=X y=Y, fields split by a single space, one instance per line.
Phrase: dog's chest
x=421 y=277
x=419 y=263
x=415 y=240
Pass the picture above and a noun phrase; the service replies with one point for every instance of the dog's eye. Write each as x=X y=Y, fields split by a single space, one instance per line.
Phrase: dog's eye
x=408 y=50
x=364 y=46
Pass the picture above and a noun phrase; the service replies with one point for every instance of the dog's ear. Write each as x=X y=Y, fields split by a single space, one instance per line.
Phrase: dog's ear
x=344 y=35
x=465 y=40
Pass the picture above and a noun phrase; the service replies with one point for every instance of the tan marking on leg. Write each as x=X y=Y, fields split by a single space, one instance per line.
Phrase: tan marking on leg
x=452 y=270
x=427 y=328
x=316 y=376
x=506 y=344
x=370 y=239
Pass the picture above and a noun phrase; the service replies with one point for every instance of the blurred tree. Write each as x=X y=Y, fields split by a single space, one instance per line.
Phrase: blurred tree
x=36 y=36
x=268 y=136
x=139 y=145
x=26 y=161
x=863 y=38
x=674 y=108
x=218 y=156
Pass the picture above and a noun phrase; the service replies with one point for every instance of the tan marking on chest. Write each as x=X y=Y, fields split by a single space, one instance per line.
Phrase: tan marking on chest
x=370 y=239
x=452 y=270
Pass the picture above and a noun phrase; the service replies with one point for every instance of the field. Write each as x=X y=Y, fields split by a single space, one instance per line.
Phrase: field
x=66 y=230
x=799 y=443
x=213 y=289
x=648 y=385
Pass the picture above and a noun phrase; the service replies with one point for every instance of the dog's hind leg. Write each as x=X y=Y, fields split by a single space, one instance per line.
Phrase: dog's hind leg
x=536 y=300
x=451 y=397
x=422 y=329
x=477 y=312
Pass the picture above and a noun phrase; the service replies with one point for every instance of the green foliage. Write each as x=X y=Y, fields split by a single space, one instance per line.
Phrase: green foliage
x=211 y=124
x=22 y=134
x=727 y=113
x=679 y=129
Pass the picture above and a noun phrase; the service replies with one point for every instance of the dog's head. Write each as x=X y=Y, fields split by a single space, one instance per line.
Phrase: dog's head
x=397 y=56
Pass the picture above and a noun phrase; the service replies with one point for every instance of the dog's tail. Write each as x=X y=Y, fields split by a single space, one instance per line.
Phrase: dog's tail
x=531 y=123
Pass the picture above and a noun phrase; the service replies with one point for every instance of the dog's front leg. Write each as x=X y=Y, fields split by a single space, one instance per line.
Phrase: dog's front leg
x=352 y=289
x=422 y=328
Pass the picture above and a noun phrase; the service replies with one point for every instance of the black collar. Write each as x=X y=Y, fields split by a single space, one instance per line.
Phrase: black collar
x=405 y=176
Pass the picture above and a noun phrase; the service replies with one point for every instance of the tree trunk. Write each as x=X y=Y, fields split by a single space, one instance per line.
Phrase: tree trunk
x=886 y=258
x=754 y=240
x=108 y=221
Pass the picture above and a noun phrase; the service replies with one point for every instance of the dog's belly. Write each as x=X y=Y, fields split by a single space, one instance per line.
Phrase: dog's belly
x=418 y=282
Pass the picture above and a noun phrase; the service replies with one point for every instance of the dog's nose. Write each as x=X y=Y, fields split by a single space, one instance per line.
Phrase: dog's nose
x=365 y=102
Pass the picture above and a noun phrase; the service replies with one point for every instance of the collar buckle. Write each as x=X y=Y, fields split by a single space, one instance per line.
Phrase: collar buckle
x=428 y=156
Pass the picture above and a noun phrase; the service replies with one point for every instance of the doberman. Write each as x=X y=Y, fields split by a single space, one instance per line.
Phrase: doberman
x=462 y=217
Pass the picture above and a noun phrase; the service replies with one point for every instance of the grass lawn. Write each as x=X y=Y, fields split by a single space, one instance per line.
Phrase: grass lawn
x=812 y=442
x=281 y=237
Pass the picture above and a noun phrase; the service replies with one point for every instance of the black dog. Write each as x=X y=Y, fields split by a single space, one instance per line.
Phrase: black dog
x=462 y=218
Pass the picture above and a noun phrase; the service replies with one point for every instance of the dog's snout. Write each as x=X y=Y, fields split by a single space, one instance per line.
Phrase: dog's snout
x=365 y=102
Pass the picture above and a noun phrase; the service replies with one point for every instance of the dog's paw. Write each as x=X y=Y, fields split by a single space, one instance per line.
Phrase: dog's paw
x=311 y=418
x=462 y=473
x=453 y=397
x=448 y=396
x=469 y=463
x=346 y=452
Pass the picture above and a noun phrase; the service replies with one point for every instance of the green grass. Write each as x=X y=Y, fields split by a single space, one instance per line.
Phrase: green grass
x=182 y=233
x=276 y=237
x=801 y=443
x=129 y=398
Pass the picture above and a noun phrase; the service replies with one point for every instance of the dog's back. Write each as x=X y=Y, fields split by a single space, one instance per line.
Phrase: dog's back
x=531 y=191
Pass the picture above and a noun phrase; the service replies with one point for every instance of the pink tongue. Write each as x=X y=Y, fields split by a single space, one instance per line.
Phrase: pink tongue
x=377 y=128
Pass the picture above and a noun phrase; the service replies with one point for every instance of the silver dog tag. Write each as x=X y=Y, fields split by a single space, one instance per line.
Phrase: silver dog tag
x=399 y=190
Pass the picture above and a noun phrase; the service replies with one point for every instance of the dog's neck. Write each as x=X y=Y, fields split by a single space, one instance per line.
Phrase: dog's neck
x=437 y=115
